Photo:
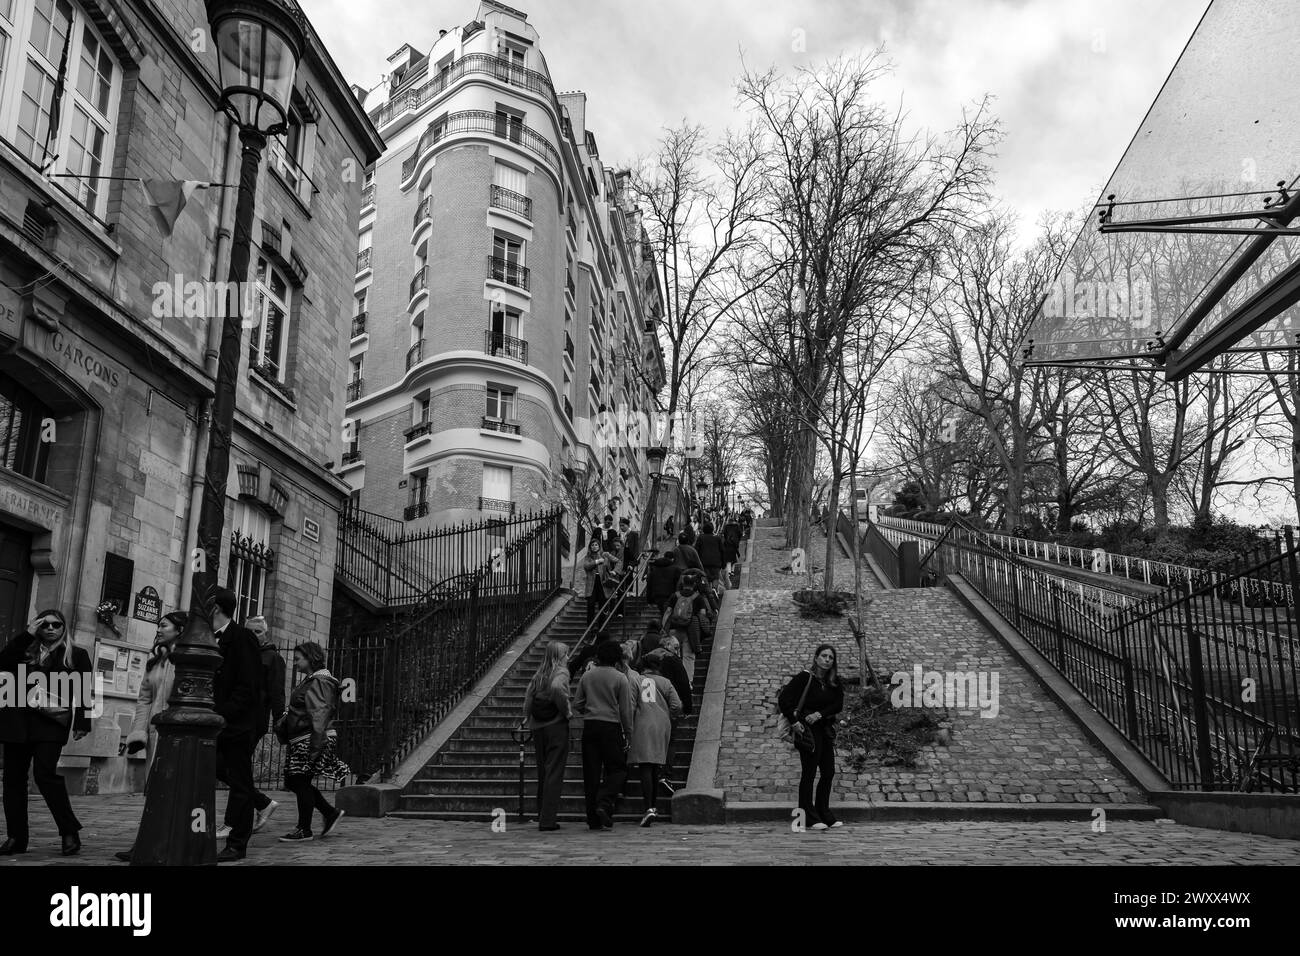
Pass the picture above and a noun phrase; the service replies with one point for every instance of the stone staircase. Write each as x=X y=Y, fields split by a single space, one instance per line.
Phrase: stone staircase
x=477 y=770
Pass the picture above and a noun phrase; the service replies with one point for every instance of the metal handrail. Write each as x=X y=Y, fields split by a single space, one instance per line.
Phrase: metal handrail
x=613 y=602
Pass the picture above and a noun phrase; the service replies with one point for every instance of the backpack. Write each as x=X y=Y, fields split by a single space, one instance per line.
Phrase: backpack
x=544 y=709
x=683 y=610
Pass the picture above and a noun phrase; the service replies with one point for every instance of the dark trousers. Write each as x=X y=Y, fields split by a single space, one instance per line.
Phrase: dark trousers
x=235 y=770
x=820 y=758
x=309 y=799
x=552 y=747
x=604 y=765
x=43 y=758
x=594 y=600
x=649 y=784
x=260 y=800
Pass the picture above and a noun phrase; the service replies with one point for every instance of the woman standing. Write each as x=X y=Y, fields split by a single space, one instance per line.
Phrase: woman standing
x=159 y=674
x=813 y=698
x=312 y=740
x=34 y=735
x=596 y=566
x=546 y=713
x=731 y=535
x=657 y=707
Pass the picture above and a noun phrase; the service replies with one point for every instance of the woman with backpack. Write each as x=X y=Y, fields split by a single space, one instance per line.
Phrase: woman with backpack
x=546 y=714
x=810 y=701
x=657 y=707
x=682 y=618
x=307 y=728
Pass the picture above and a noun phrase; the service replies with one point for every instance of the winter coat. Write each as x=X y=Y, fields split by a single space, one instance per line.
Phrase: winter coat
x=823 y=698
x=312 y=707
x=688 y=557
x=557 y=692
x=731 y=543
x=661 y=578
x=152 y=701
x=596 y=569
x=652 y=727
x=631 y=548
x=709 y=548
x=273 y=671
x=237 y=690
x=28 y=725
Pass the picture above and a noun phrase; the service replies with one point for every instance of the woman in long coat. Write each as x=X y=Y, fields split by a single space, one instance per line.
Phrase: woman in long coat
x=652 y=728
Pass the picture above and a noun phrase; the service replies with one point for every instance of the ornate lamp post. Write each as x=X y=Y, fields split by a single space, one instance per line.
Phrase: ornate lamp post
x=731 y=500
x=259 y=44
x=650 y=523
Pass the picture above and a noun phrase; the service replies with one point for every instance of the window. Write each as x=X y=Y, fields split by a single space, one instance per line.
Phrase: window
x=505 y=322
x=514 y=53
x=270 y=339
x=34 y=35
x=21 y=415
x=496 y=483
x=251 y=559
x=420 y=488
x=507 y=177
x=500 y=403
x=422 y=412
x=509 y=124
x=356 y=368
x=508 y=249
x=292 y=152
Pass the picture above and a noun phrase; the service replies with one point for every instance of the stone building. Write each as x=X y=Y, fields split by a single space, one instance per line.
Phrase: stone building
x=505 y=292
x=107 y=347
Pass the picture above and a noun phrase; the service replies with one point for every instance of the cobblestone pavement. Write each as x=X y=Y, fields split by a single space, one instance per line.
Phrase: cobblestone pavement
x=110 y=825
x=1030 y=752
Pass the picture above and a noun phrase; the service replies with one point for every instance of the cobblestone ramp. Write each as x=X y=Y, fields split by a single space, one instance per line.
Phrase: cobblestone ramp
x=1032 y=752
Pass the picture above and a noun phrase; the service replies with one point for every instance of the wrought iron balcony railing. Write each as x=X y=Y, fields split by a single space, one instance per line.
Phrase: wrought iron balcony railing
x=363 y=260
x=419 y=281
x=418 y=430
x=356 y=388
x=496 y=504
x=485 y=122
x=496 y=425
x=415 y=354
x=511 y=201
x=351 y=455
x=359 y=324
x=368 y=196
x=422 y=211
x=496 y=343
x=414 y=98
x=417 y=510
x=511 y=273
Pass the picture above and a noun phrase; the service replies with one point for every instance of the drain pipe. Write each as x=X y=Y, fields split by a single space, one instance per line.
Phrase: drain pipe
x=198 y=456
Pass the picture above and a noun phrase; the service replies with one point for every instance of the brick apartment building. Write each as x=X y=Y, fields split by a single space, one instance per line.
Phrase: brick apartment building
x=505 y=291
x=105 y=373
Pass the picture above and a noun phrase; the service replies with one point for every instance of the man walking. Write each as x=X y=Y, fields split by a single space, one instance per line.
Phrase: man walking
x=237 y=696
x=271 y=707
x=605 y=701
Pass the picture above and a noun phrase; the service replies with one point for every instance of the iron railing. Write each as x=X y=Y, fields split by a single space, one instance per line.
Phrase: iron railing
x=1203 y=680
x=419 y=281
x=422 y=211
x=870 y=541
x=414 y=98
x=418 y=430
x=419 y=509
x=498 y=343
x=363 y=260
x=511 y=201
x=503 y=572
x=497 y=425
x=496 y=504
x=415 y=354
x=498 y=125
x=368 y=196
x=507 y=271
x=359 y=323
x=355 y=388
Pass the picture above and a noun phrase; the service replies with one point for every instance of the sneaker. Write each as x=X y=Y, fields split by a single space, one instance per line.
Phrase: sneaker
x=223 y=831
x=332 y=822
x=818 y=826
x=606 y=821
x=296 y=836
x=230 y=855
x=264 y=816
x=649 y=817
x=837 y=824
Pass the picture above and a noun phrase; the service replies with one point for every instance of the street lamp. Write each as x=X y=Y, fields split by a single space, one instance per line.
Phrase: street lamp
x=654 y=460
x=731 y=501
x=259 y=44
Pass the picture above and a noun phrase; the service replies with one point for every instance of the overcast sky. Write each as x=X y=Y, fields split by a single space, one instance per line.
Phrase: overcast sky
x=1072 y=81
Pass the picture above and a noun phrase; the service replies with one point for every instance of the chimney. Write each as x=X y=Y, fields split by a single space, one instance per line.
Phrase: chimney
x=441 y=34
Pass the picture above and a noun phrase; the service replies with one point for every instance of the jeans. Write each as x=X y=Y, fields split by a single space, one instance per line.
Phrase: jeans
x=43 y=758
x=552 y=748
x=235 y=770
x=594 y=601
x=820 y=758
x=649 y=785
x=309 y=799
x=260 y=800
x=604 y=765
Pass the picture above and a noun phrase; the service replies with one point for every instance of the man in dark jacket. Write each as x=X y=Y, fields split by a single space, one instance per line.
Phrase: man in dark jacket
x=709 y=547
x=237 y=697
x=610 y=537
x=631 y=542
x=661 y=580
x=272 y=706
x=687 y=556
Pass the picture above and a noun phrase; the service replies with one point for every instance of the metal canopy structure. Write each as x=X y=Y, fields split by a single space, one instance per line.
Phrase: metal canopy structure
x=1193 y=256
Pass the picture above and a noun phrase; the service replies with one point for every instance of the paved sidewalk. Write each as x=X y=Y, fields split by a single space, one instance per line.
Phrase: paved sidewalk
x=110 y=825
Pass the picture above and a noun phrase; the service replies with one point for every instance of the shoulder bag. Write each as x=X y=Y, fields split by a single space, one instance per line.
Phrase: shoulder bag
x=798 y=734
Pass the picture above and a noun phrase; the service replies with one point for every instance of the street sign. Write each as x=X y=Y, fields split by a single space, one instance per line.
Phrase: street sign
x=148 y=606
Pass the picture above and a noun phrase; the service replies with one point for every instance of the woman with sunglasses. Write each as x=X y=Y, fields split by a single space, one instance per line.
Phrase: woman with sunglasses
x=155 y=689
x=34 y=734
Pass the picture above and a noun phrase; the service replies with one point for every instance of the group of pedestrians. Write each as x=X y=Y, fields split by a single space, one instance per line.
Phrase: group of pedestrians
x=248 y=690
x=610 y=553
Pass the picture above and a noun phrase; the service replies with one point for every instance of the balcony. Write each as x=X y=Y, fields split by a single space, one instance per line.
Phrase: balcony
x=368 y=196
x=363 y=260
x=568 y=284
x=356 y=388
x=417 y=510
x=507 y=271
x=413 y=99
x=496 y=425
x=421 y=211
x=568 y=346
x=359 y=324
x=495 y=343
x=419 y=281
x=568 y=408
x=496 y=504
x=485 y=123
x=595 y=382
x=415 y=354
x=511 y=201
x=350 y=456
x=418 y=430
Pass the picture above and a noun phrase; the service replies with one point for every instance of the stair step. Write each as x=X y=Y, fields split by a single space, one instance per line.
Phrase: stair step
x=499 y=789
x=509 y=802
x=570 y=820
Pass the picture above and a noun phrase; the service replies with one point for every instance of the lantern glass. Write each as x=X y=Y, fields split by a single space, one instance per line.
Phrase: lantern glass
x=256 y=64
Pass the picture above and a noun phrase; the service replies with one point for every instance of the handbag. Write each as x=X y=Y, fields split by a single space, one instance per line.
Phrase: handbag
x=282 y=728
x=798 y=734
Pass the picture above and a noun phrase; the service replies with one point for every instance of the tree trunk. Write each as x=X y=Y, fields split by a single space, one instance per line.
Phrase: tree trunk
x=1064 y=512
x=1159 y=485
x=828 y=575
x=798 y=503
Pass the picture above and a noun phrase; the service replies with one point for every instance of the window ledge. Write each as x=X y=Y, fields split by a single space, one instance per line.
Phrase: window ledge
x=494 y=434
x=418 y=441
x=303 y=204
x=272 y=387
x=507 y=287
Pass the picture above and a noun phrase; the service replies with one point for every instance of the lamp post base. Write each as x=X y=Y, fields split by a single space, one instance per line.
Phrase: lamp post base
x=179 y=824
